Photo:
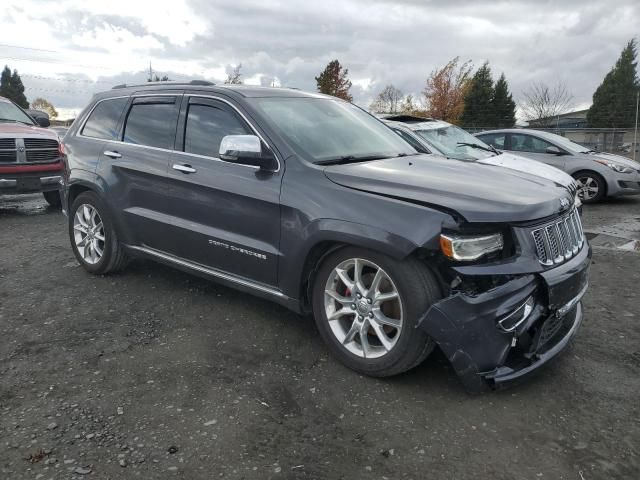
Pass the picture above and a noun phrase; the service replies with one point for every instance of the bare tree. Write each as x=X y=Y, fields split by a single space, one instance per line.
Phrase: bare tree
x=387 y=101
x=543 y=103
x=445 y=90
x=233 y=78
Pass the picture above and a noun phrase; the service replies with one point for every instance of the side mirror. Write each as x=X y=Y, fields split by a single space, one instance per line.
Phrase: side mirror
x=43 y=121
x=553 y=151
x=247 y=150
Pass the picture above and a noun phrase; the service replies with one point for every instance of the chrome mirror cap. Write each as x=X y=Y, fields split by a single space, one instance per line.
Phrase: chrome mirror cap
x=235 y=147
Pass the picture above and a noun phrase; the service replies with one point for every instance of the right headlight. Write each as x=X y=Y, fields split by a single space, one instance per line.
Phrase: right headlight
x=470 y=247
x=616 y=167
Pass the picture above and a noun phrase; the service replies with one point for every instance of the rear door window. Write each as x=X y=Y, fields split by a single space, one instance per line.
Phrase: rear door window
x=103 y=120
x=208 y=121
x=152 y=122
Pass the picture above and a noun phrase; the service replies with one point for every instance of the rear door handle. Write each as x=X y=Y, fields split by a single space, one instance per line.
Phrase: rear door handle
x=184 y=168
x=112 y=154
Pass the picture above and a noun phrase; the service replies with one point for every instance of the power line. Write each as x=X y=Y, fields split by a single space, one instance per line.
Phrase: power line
x=28 y=48
x=67 y=79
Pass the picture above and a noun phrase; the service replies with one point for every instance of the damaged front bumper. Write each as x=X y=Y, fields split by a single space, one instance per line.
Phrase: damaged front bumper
x=511 y=330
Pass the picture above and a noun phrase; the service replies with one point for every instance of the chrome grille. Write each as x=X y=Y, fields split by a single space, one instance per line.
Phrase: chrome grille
x=36 y=143
x=40 y=150
x=8 y=152
x=7 y=143
x=558 y=241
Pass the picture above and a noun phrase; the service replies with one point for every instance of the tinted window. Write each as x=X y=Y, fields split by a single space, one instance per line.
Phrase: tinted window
x=151 y=124
x=494 y=139
x=103 y=121
x=207 y=125
x=528 y=143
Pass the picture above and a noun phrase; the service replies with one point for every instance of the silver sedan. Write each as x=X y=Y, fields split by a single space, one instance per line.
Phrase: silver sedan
x=598 y=174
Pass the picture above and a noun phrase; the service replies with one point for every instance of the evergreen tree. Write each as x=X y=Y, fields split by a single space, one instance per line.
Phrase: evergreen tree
x=333 y=81
x=615 y=99
x=12 y=88
x=503 y=106
x=478 y=108
x=5 y=83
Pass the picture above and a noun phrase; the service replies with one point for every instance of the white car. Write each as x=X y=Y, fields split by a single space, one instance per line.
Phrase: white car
x=442 y=138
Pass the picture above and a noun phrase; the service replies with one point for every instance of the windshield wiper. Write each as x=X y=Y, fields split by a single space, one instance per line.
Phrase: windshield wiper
x=479 y=147
x=351 y=159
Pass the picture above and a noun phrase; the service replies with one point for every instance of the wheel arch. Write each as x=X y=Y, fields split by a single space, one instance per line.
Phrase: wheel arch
x=597 y=174
x=369 y=238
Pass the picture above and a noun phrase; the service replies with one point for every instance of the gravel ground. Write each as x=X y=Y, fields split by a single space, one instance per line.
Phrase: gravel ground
x=153 y=373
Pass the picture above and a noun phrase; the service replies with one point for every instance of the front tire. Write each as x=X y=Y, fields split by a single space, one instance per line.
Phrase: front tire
x=53 y=198
x=591 y=186
x=93 y=237
x=366 y=306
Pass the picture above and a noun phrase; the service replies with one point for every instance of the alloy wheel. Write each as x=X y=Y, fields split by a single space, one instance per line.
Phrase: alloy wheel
x=363 y=308
x=88 y=233
x=587 y=187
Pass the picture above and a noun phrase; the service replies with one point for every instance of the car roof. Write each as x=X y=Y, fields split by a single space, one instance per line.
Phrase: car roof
x=530 y=131
x=250 y=91
x=415 y=123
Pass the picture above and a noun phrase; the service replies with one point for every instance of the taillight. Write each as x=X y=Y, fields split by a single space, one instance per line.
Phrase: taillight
x=61 y=150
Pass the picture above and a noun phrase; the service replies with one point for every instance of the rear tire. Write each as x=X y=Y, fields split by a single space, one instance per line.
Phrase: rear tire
x=53 y=198
x=93 y=236
x=591 y=186
x=392 y=343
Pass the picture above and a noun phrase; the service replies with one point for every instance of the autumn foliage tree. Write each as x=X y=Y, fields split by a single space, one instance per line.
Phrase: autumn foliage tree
x=445 y=90
x=333 y=80
x=44 y=105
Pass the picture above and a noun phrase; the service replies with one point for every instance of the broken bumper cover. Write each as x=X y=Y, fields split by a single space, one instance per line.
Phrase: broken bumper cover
x=512 y=330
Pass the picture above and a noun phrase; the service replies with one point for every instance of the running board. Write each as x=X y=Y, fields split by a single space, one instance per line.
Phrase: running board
x=208 y=271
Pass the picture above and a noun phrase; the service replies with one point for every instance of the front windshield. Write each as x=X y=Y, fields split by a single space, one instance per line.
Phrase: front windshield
x=455 y=143
x=323 y=129
x=567 y=144
x=10 y=113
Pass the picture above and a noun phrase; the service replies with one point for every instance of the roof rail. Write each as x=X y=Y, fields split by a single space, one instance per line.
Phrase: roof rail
x=204 y=83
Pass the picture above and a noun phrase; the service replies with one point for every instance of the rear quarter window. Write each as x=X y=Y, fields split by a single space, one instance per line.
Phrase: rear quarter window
x=104 y=118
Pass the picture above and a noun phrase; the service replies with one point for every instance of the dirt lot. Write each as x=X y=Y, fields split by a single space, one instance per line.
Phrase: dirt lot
x=157 y=374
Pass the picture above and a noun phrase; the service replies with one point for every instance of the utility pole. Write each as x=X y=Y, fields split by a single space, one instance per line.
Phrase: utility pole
x=635 y=132
x=150 y=72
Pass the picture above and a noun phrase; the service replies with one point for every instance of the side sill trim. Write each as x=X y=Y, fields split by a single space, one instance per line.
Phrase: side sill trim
x=209 y=271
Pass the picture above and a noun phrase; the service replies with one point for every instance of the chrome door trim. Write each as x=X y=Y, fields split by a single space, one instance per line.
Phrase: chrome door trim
x=112 y=154
x=214 y=97
x=207 y=270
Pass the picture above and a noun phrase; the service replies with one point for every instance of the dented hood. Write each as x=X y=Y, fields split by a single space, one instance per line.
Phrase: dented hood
x=477 y=192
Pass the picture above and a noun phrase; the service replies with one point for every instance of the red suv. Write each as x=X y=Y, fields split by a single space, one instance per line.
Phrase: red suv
x=30 y=155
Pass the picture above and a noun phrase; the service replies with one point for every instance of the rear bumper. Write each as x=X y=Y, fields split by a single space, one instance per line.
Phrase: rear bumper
x=487 y=345
x=30 y=178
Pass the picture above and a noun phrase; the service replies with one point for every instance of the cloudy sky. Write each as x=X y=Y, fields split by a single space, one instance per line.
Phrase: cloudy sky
x=66 y=50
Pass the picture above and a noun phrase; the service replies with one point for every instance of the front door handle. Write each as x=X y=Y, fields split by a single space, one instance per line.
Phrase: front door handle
x=112 y=154
x=184 y=168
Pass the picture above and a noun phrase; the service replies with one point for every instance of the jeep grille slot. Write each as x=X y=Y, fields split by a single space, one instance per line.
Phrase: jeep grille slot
x=558 y=241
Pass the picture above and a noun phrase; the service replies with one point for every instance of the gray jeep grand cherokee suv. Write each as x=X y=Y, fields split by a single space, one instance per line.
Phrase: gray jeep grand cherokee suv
x=311 y=202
